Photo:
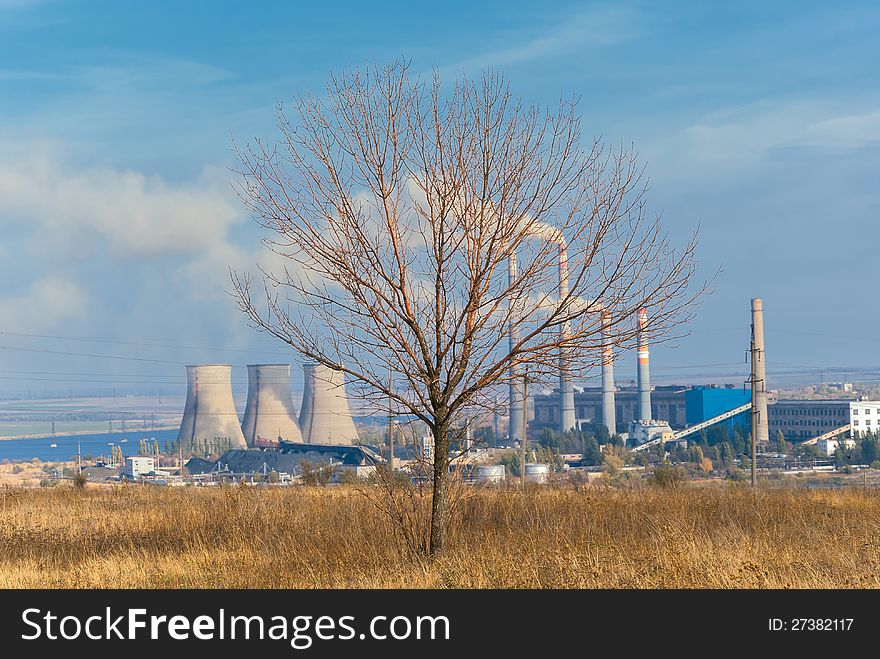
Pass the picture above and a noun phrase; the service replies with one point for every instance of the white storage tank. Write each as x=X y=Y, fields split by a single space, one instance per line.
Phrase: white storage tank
x=491 y=474
x=537 y=473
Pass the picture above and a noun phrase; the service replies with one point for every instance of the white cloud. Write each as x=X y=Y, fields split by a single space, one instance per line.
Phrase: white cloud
x=847 y=130
x=135 y=213
x=595 y=27
x=744 y=137
x=49 y=301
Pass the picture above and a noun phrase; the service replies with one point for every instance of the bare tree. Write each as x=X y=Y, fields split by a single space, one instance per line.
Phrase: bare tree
x=453 y=237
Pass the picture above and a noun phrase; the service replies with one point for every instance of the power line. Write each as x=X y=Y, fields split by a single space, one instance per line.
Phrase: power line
x=92 y=356
x=150 y=343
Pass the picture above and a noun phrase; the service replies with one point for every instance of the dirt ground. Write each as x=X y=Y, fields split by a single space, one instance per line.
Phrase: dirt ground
x=28 y=474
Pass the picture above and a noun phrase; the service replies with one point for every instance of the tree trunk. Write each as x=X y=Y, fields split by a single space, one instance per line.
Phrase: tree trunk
x=440 y=499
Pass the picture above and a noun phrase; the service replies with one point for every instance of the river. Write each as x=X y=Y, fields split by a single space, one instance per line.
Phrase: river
x=22 y=450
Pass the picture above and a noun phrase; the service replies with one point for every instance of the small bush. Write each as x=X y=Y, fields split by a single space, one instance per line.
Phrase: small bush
x=316 y=475
x=347 y=477
x=79 y=481
x=668 y=476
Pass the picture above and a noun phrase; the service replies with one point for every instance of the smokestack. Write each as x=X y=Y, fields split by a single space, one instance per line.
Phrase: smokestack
x=516 y=402
x=609 y=409
x=643 y=372
x=566 y=389
x=209 y=414
x=325 y=417
x=269 y=414
x=762 y=434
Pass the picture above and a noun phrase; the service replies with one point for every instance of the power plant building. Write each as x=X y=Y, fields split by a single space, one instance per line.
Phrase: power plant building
x=667 y=403
x=707 y=402
x=804 y=419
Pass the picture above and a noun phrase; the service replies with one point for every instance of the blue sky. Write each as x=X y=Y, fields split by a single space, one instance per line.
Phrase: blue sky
x=760 y=124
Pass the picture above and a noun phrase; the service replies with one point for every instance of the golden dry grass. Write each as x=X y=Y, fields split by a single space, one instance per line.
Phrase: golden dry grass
x=310 y=537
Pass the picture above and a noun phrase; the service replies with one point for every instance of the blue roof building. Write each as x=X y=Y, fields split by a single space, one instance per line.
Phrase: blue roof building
x=703 y=403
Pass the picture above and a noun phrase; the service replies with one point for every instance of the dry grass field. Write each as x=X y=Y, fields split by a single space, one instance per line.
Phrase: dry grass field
x=725 y=537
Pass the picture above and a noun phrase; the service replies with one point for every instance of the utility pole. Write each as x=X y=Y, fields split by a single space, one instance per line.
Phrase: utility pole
x=495 y=423
x=753 y=377
x=525 y=420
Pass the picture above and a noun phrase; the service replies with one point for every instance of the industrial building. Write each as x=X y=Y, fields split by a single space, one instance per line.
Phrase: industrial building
x=288 y=459
x=805 y=419
x=828 y=447
x=684 y=406
x=647 y=414
x=137 y=466
x=667 y=403
x=706 y=402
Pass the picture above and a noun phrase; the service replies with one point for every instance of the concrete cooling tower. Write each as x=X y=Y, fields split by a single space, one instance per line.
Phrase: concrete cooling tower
x=269 y=414
x=324 y=417
x=209 y=414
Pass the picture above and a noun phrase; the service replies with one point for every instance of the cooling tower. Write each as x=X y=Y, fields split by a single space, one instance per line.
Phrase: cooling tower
x=209 y=416
x=609 y=409
x=762 y=433
x=324 y=417
x=644 y=377
x=269 y=414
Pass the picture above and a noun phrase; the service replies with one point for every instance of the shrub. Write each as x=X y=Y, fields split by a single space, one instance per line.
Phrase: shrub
x=316 y=475
x=668 y=476
x=79 y=481
x=347 y=477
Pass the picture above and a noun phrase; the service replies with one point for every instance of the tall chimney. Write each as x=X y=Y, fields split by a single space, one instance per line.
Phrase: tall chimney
x=609 y=409
x=516 y=402
x=762 y=434
x=643 y=372
x=567 y=420
x=209 y=414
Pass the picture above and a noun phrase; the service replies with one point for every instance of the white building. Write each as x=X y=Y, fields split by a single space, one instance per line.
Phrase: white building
x=138 y=466
x=644 y=431
x=428 y=448
x=829 y=446
x=864 y=416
